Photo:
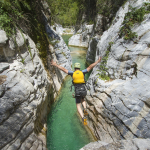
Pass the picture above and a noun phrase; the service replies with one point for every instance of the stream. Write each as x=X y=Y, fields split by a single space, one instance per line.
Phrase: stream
x=65 y=128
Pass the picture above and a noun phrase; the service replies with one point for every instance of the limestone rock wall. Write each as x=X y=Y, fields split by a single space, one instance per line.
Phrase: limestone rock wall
x=24 y=86
x=58 y=51
x=82 y=37
x=120 y=108
x=135 y=144
x=27 y=89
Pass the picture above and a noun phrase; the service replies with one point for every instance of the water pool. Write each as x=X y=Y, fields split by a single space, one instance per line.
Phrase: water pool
x=65 y=128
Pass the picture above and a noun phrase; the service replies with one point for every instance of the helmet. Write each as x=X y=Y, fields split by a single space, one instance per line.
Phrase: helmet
x=77 y=65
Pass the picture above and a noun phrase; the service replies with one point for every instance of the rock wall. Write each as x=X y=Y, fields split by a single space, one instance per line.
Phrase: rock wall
x=27 y=91
x=82 y=37
x=60 y=30
x=27 y=88
x=120 y=108
x=136 y=144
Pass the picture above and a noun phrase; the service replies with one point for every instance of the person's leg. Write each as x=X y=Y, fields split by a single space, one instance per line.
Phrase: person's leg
x=84 y=106
x=78 y=104
x=83 y=103
x=79 y=109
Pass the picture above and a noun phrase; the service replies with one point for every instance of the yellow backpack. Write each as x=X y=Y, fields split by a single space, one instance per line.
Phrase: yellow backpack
x=79 y=83
x=78 y=77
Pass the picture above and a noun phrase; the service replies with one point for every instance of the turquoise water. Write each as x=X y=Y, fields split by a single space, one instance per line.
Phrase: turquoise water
x=65 y=128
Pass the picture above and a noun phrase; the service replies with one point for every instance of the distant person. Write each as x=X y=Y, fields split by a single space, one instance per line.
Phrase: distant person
x=79 y=82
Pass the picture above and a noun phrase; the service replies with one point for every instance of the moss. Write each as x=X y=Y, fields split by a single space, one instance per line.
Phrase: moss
x=22 y=60
x=104 y=77
x=29 y=14
x=22 y=70
x=63 y=53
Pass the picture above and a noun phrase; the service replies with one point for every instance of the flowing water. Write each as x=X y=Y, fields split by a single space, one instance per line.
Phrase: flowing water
x=65 y=128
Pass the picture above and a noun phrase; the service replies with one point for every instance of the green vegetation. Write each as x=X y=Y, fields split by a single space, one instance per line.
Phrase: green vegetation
x=53 y=42
x=64 y=12
x=108 y=9
x=63 y=53
x=25 y=15
x=22 y=60
x=69 y=12
x=11 y=14
x=22 y=70
x=103 y=69
x=131 y=18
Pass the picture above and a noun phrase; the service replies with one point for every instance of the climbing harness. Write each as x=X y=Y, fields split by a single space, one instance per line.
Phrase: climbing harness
x=80 y=90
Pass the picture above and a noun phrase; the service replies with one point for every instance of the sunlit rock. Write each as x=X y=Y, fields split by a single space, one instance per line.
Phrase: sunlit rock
x=82 y=37
x=27 y=89
x=119 y=108
x=137 y=144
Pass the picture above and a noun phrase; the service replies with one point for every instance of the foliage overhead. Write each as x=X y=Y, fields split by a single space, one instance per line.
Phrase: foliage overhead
x=64 y=11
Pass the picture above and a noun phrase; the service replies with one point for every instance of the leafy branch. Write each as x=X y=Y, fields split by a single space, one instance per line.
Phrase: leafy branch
x=132 y=17
x=103 y=69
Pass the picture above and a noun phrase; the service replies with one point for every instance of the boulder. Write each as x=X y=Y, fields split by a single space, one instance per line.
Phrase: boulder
x=82 y=37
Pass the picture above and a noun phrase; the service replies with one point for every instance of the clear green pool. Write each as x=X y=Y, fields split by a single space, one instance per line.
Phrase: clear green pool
x=65 y=129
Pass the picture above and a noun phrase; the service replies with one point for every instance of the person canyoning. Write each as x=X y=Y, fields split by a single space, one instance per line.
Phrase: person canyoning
x=79 y=82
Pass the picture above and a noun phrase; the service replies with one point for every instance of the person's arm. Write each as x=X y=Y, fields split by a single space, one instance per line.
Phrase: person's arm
x=53 y=63
x=94 y=64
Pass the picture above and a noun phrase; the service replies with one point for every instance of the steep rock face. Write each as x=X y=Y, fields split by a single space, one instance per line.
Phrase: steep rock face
x=58 y=51
x=60 y=30
x=25 y=87
x=119 y=108
x=82 y=37
x=27 y=90
x=91 y=53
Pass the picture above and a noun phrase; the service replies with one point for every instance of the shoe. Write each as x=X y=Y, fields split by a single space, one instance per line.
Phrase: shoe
x=85 y=112
x=84 y=121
